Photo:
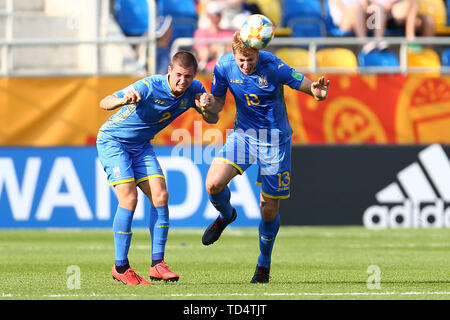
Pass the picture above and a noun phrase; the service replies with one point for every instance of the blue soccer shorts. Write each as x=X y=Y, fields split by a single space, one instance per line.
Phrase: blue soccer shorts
x=274 y=163
x=126 y=163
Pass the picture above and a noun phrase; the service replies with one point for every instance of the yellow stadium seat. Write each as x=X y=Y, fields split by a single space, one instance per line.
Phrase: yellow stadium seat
x=336 y=58
x=438 y=10
x=294 y=57
x=271 y=9
x=427 y=58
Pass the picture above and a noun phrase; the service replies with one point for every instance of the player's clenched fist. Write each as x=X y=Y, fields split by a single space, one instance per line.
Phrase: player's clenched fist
x=206 y=100
x=132 y=96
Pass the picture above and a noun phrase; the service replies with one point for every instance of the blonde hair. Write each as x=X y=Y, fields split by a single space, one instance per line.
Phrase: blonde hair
x=239 y=46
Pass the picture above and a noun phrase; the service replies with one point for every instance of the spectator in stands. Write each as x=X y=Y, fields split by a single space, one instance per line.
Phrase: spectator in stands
x=403 y=12
x=208 y=53
x=164 y=36
x=350 y=16
x=233 y=12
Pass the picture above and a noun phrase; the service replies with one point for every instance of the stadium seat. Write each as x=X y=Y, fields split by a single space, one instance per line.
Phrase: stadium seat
x=184 y=14
x=304 y=18
x=446 y=58
x=377 y=58
x=132 y=16
x=427 y=58
x=436 y=9
x=294 y=57
x=177 y=8
x=336 y=58
x=307 y=27
x=183 y=27
x=271 y=9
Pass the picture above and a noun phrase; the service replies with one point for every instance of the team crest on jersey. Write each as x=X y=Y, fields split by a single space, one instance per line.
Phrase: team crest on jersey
x=183 y=103
x=263 y=81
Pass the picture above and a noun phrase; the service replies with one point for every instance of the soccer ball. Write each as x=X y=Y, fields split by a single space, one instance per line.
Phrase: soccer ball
x=257 y=31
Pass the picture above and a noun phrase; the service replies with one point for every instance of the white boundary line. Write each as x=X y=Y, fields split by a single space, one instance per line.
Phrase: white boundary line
x=236 y=294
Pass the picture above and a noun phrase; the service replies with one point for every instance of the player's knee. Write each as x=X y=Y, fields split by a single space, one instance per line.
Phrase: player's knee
x=269 y=214
x=161 y=198
x=213 y=187
x=269 y=208
x=129 y=202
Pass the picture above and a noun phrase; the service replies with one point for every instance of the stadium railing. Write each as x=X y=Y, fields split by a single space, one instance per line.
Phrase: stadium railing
x=314 y=44
x=102 y=7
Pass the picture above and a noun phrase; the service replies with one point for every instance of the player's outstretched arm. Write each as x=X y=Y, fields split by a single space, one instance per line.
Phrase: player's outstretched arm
x=317 y=89
x=112 y=102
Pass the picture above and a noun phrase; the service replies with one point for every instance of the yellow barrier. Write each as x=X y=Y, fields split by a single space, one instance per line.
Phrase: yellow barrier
x=360 y=109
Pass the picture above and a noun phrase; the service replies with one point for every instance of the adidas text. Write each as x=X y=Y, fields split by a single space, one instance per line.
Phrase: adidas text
x=416 y=199
x=408 y=214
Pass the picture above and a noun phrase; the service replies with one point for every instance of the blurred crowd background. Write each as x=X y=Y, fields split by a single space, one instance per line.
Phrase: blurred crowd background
x=345 y=33
x=369 y=20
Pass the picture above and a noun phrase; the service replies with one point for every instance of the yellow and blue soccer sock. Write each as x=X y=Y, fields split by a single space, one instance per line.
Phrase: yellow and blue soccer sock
x=221 y=202
x=267 y=233
x=159 y=229
x=122 y=235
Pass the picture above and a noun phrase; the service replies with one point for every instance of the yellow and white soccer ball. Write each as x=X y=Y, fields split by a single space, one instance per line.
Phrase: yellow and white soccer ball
x=257 y=31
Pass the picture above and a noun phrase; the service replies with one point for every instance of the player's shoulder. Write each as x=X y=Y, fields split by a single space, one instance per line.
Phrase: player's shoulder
x=267 y=56
x=226 y=60
x=197 y=85
x=268 y=59
x=156 y=79
x=149 y=82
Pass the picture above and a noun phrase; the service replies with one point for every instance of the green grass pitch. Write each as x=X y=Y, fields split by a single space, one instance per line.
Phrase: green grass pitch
x=308 y=263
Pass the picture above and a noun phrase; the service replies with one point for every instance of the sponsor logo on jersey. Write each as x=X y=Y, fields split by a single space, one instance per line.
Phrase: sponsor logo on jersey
x=161 y=102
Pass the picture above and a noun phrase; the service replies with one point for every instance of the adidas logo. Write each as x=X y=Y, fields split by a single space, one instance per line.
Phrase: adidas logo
x=419 y=199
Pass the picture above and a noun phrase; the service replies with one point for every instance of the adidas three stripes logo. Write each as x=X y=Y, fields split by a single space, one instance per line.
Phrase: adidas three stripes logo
x=417 y=198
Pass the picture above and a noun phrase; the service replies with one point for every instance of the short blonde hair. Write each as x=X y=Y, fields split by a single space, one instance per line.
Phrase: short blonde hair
x=239 y=46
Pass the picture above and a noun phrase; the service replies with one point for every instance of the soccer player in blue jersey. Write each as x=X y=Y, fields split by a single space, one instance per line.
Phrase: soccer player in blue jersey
x=125 y=151
x=261 y=135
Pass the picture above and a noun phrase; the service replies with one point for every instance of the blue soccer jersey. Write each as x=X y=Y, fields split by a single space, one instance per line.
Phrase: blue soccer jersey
x=159 y=106
x=259 y=96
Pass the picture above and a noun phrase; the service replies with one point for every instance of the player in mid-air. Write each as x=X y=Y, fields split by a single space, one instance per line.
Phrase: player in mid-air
x=125 y=151
x=261 y=135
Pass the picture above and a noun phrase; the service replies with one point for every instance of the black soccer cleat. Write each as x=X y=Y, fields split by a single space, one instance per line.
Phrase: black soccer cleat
x=262 y=275
x=215 y=229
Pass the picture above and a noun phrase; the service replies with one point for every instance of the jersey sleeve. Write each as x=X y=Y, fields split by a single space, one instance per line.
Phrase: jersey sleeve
x=142 y=86
x=199 y=87
x=219 y=83
x=288 y=75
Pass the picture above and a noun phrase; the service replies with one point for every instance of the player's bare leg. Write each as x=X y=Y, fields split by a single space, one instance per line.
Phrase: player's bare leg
x=219 y=175
x=127 y=195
